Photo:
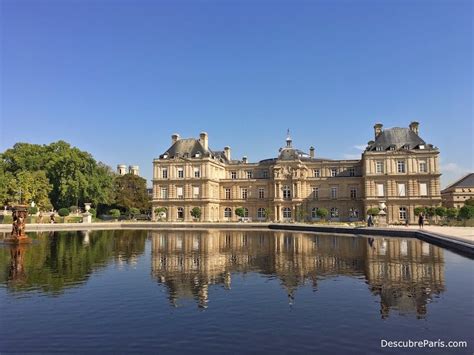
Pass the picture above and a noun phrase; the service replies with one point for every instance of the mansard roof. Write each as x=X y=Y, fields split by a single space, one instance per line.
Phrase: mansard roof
x=189 y=148
x=466 y=181
x=398 y=138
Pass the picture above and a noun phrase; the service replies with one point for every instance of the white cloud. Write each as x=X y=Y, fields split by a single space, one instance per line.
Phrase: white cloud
x=451 y=172
x=453 y=168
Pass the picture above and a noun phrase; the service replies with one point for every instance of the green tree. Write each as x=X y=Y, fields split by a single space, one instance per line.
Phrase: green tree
x=452 y=213
x=322 y=213
x=466 y=212
x=133 y=211
x=441 y=211
x=196 y=213
x=469 y=202
x=93 y=212
x=268 y=213
x=115 y=213
x=419 y=210
x=239 y=211
x=374 y=211
x=130 y=191
x=34 y=186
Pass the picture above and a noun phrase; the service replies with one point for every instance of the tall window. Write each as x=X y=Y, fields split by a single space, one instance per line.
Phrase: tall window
x=380 y=190
x=164 y=193
x=423 y=189
x=333 y=172
x=197 y=172
x=334 y=212
x=228 y=212
x=402 y=214
x=379 y=167
x=401 y=189
x=195 y=191
x=352 y=171
x=317 y=172
x=423 y=166
x=246 y=212
x=180 y=213
x=314 y=213
x=261 y=213
x=227 y=194
x=286 y=212
x=164 y=173
x=265 y=174
x=180 y=173
x=249 y=174
x=179 y=192
x=353 y=193
x=315 y=192
x=286 y=192
x=261 y=192
x=334 y=193
x=233 y=175
x=244 y=193
x=401 y=166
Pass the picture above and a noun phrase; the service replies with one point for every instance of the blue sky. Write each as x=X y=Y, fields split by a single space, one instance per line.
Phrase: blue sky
x=117 y=78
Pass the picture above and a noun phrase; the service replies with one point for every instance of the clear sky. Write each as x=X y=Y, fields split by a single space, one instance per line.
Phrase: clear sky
x=117 y=78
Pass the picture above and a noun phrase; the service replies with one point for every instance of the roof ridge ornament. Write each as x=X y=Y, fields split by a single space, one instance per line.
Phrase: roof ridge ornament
x=288 y=138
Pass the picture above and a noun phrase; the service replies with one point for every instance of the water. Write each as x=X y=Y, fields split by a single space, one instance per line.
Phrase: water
x=224 y=291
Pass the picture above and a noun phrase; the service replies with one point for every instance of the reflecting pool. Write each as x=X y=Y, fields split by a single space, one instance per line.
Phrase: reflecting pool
x=230 y=291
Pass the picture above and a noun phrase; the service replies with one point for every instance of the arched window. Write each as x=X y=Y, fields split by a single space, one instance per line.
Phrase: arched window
x=246 y=212
x=228 y=212
x=286 y=192
x=180 y=213
x=334 y=212
x=261 y=213
x=314 y=213
x=286 y=212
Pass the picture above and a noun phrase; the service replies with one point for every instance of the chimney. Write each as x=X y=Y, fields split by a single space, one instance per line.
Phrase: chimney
x=133 y=169
x=244 y=159
x=204 y=140
x=414 y=127
x=121 y=169
x=378 y=129
x=174 y=138
x=311 y=152
x=227 y=152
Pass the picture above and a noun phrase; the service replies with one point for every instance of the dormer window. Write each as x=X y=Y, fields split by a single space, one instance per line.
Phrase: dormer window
x=378 y=148
x=421 y=146
x=198 y=154
x=165 y=156
x=392 y=147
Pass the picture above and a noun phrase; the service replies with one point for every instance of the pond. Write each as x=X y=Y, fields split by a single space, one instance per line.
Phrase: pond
x=219 y=291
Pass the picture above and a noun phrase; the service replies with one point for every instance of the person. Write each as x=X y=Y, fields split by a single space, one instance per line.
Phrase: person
x=421 y=220
x=370 y=222
x=52 y=218
x=406 y=222
x=40 y=218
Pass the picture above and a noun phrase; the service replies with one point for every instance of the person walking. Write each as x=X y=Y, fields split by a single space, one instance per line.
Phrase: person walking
x=421 y=220
x=370 y=222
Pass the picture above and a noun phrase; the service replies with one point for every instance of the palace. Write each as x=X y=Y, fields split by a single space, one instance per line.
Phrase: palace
x=397 y=171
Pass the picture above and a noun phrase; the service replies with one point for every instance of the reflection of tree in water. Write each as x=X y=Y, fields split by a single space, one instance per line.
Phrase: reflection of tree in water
x=56 y=261
x=188 y=262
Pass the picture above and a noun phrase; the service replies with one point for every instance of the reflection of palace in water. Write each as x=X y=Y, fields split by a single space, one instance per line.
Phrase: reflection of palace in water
x=405 y=273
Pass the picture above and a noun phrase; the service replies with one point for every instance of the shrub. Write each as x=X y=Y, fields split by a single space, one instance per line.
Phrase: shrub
x=239 y=211
x=419 y=210
x=466 y=212
x=452 y=213
x=374 y=211
x=63 y=212
x=32 y=210
x=114 y=213
x=441 y=211
x=73 y=209
x=469 y=202
x=322 y=213
x=93 y=212
x=430 y=211
x=133 y=211
x=196 y=212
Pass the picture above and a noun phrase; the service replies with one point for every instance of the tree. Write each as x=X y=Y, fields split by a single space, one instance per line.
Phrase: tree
x=452 y=213
x=130 y=191
x=93 y=212
x=441 y=211
x=34 y=186
x=63 y=212
x=322 y=212
x=133 y=211
x=268 y=213
x=469 y=202
x=374 y=211
x=301 y=213
x=466 y=212
x=419 y=210
x=239 y=211
x=196 y=212
x=115 y=213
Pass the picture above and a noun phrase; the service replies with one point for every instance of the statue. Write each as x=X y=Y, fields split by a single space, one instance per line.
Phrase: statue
x=18 y=228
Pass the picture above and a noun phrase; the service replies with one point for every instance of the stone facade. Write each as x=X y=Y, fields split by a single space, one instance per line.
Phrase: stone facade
x=294 y=185
x=457 y=193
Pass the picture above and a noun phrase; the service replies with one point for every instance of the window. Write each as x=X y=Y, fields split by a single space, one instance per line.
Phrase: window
x=353 y=193
x=314 y=213
x=195 y=191
x=352 y=171
x=334 y=212
x=317 y=172
x=179 y=192
x=334 y=193
x=380 y=190
x=227 y=212
x=246 y=212
x=180 y=213
x=261 y=192
x=249 y=174
x=401 y=166
x=423 y=166
x=244 y=193
x=423 y=189
x=286 y=192
x=164 y=193
x=180 y=173
x=402 y=214
x=286 y=212
x=227 y=194
x=379 y=148
x=333 y=172
x=233 y=175
x=401 y=189
x=265 y=174
x=164 y=173
x=315 y=193
x=379 y=167
x=261 y=213
x=197 y=172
